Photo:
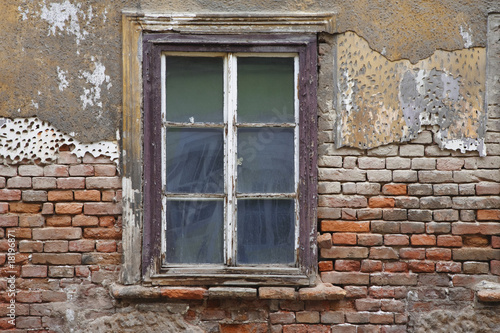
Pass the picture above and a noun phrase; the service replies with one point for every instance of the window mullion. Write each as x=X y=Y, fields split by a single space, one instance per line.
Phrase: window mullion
x=231 y=83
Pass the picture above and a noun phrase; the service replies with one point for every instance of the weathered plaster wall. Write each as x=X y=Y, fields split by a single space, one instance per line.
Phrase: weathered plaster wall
x=60 y=59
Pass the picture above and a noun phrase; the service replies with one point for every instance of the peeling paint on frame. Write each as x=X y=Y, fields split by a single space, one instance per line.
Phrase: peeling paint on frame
x=380 y=102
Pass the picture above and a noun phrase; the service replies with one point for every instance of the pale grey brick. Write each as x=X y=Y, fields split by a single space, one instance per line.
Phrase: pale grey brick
x=371 y=163
x=330 y=161
x=407 y=202
x=34 y=196
x=342 y=175
x=423 y=137
x=445 y=215
x=425 y=176
x=446 y=189
x=420 y=189
x=469 y=176
x=467 y=215
x=398 y=163
x=411 y=150
x=423 y=215
x=384 y=227
x=412 y=227
x=405 y=176
x=350 y=162
x=423 y=163
x=435 y=202
x=476 y=202
x=396 y=214
x=44 y=183
x=329 y=213
x=467 y=189
x=383 y=151
x=19 y=182
x=470 y=163
x=438 y=228
x=349 y=188
x=8 y=171
x=30 y=170
x=436 y=151
x=328 y=187
x=368 y=188
x=379 y=175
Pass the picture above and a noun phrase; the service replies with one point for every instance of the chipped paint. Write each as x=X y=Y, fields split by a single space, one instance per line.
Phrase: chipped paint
x=380 y=102
x=91 y=96
x=63 y=82
x=467 y=36
x=30 y=139
x=63 y=17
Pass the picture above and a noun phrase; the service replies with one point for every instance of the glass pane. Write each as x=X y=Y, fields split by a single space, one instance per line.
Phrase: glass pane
x=265 y=160
x=265 y=90
x=266 y=231
x=195 y=160
x=194 y=89
x=195 y=232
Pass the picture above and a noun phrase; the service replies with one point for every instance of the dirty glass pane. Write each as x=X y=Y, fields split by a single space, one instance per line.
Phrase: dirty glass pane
x=195 y=160
x=265 y=90
x=195 y=232
x=266 y=231
x=265 y=160
x=194 y=89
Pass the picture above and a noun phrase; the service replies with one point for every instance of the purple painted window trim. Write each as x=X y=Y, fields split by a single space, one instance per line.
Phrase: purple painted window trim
x=306 y=47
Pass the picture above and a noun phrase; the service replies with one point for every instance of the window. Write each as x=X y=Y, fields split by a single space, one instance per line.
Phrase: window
x=229 y=162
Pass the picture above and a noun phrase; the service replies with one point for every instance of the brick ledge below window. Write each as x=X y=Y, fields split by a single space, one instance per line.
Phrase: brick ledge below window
x=321 y=292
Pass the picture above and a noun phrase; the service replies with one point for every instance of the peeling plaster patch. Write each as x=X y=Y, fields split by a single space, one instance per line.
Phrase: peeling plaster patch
x=381 y=101
x=467 y=36
x=91 y=96
x=64 y=17
x=63 y=83
x=24 y=13
x=35 y=140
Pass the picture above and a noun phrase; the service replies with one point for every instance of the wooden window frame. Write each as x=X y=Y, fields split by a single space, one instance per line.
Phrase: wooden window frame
x=244 y=31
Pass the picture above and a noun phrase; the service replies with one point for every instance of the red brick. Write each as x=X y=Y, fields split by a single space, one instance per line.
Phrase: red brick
x=369 y=239
x=60 y=195
x=105 y=246
x=4 y=207
x=381 y=202
x=20 y=207
x=72 y=208
x=30 y=246
x=495 y=267
x=82 y=245
x=103 y=233
x=449 y=241
x=57 y=258
x=462 y=228
x=495 y=242
x=487 y=188
x=104 y=183
x=60 y=246
x=395 y=240
x=53 y=296
x=344 y=252
x=55 y=170
x=395 y=266
x=367 y=304
x=423 y=240
x=412 y=253
x=29 y=271
x=347 y=265
x=84 y=220
x=10 y=195
x=109 y=196
x=308 y=317
x=356 y=291
x=344 y=238
x=394 y=189
x=82 y=271
x=102 y=208
x=448 y=267
x=369 y=214
x=244 y=328
x=9 y=220
x=381 y=318
x=32 y=221
x=106 y=221
x=395 y=279
x=71 y=183
x=59 y=221
x=29 y=296
x=438 y=254
x=369 y=266
x=105 y=170
x=88 y=195
x=20 y=233
x=5 y=324
x=28 y=322
x=81 y=170
x=295 y=328
x=184 y=292
x=488 y=215
x=381 y=292
x=345 y=226
x=325 y=266
x=421 y=266
x=346 y=278
x=57 y=233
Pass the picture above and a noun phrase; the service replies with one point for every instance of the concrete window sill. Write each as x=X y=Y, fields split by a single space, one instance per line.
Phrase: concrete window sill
x=321 y=292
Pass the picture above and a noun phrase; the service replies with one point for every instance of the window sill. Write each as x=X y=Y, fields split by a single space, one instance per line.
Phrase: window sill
x=321 y=292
